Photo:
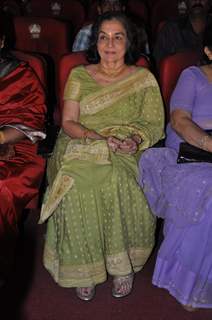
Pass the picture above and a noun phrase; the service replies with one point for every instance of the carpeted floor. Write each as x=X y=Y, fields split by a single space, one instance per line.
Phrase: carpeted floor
x=31 y=294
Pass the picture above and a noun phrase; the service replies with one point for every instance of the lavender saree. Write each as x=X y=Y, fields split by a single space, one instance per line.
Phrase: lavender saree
x=182 y=195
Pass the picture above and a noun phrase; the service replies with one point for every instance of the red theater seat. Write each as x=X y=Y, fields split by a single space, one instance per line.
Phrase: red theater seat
x=162 y=10
x=71 y=10
x=139 y=9
x=42 y=35
x=48 y=37
x=169 y=70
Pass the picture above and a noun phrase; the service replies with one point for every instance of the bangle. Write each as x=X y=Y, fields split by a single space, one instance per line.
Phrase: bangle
x=85 y=136
x=85 y=133
x=2 y=137
x=203 y=141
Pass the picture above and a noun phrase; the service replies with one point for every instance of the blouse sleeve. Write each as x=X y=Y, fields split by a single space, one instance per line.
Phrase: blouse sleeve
x=72 y=87
x=183 y=95
x=151 y=120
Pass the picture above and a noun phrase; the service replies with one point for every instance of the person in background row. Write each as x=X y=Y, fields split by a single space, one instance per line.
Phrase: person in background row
x=181 y=193
x=98 y=218
x=182 y=7
x=184 y=32
x=82 y=39
x=22 y=114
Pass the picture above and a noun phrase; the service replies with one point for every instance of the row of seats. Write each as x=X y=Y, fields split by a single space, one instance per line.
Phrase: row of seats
x=38 y=33
x=169 y=70
x=74 y=12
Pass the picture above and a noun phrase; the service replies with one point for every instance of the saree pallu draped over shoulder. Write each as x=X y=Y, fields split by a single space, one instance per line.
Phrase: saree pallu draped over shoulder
x=98 y=218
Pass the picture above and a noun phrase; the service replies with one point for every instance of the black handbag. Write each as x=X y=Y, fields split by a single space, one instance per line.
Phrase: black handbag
x=189 y=153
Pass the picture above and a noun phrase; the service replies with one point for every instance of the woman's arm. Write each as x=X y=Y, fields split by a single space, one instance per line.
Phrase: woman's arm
x=182 y=123
x=10 y=136
x=71 y=124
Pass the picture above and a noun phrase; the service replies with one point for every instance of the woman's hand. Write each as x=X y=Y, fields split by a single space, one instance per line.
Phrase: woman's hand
x=113 y=143
x=128 y=146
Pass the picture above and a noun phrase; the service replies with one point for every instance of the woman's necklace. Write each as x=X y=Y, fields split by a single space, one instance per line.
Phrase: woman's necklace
x=111 y=73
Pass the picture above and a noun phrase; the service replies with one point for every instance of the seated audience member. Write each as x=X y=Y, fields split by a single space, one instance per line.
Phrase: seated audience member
x=82 y=39
x=22 y=113
x=184 y=32
x=182 y=7
x=180 y=193
x=98 y=218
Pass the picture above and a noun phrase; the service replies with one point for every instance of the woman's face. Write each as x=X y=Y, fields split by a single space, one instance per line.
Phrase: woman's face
x=112 y=41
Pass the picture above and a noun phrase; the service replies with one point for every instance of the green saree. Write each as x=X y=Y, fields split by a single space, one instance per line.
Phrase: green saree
x=98 y=218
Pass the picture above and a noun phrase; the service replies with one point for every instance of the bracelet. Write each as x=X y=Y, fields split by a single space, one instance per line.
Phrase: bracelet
x=202 y=141
x=85 y=133
x=2 y=137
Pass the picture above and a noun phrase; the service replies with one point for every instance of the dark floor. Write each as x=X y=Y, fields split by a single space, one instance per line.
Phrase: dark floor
x=32 y=294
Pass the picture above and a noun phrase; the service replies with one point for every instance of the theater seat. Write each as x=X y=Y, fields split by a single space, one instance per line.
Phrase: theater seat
x=139 y=9
x=67 y=63
x=43 y=35
x=48 y=37
x=162 y=10
x=169 y=70
x=70 y=10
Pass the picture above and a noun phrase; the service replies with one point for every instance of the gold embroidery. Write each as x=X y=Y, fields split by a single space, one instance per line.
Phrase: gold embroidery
x=95 y=151
x=126 y=262
x=60 y=187
x=72 y=90
x=89 y=274
x=95 y=103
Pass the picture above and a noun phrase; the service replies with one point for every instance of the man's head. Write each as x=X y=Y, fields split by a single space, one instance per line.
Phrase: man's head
x=198 y=7
x=110 y=5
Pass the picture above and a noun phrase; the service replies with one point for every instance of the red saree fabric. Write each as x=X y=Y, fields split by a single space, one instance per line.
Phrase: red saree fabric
x=22 y=101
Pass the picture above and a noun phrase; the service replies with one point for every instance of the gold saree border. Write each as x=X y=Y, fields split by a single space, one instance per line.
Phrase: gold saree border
x=110 y=94
x=91 y=274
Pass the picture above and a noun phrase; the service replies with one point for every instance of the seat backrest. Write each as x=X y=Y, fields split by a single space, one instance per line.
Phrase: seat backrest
x=162 y=10
x=139 y=9
x=169 y=70
x=71 y=10
x=10 y=6
x=42 y=35
x=37 y=63
x=67 y=63
x=71 y=60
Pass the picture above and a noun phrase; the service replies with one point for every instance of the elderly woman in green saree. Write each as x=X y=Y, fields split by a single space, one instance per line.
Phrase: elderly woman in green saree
x=99 y=221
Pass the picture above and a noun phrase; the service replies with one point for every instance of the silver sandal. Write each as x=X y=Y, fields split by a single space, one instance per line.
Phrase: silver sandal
x=85 y=293
x=122 y=285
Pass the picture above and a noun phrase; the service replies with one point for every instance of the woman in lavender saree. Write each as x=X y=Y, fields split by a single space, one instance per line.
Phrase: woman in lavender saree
x=182 y=193
x=98 y=219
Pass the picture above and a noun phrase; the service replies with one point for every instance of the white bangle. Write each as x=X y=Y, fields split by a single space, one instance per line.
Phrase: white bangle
x=203 y=141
